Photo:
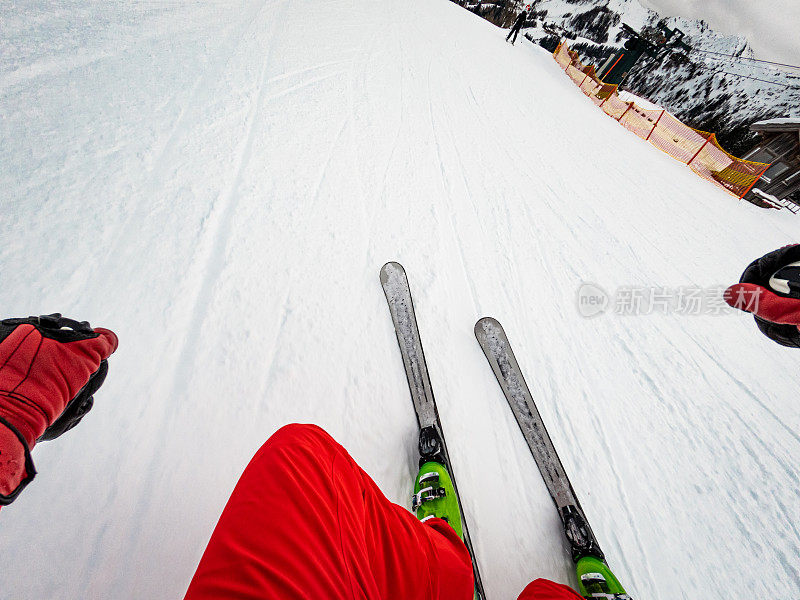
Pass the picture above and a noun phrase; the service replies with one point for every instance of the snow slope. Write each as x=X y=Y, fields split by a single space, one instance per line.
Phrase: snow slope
x=219 y=182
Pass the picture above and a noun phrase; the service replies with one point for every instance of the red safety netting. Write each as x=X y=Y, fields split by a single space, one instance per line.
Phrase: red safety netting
x=698 y=149
x=614 y=107
x=641 y=121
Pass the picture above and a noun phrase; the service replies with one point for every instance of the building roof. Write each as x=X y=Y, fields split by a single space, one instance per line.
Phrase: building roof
x=783 y=124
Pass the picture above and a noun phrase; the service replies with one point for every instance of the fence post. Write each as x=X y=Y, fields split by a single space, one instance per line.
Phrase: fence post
x=626 y=111
x=752 y=185
x=708 y=139
x=614 y=65
x=604 y=100
x=584 y=79
x=663 y=110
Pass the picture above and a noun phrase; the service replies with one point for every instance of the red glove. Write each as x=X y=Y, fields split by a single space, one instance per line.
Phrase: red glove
x=770 y=289
x=50 y=367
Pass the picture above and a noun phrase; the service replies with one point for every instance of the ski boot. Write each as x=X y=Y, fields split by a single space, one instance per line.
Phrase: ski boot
x=595 y=580
x=435 y=496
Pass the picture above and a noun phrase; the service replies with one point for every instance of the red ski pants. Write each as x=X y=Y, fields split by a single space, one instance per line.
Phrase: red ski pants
x=306 y=523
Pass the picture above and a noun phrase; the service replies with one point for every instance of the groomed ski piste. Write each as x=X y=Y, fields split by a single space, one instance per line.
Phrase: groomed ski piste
x=220 y=183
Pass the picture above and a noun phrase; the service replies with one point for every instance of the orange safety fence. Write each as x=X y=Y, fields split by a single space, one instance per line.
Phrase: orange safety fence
x=698 y=149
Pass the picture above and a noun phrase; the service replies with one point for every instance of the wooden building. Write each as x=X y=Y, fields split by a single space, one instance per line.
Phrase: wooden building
x=779 y=146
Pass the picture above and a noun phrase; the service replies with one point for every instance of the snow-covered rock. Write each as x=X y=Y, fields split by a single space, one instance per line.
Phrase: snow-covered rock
x=705 y=87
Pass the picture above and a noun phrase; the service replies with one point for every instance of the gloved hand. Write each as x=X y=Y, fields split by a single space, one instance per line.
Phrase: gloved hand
x=770 y=289
x=50 y=367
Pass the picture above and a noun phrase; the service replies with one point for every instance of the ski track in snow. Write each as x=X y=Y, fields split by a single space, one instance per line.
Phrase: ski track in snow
x=216 y=234
x=220 y=183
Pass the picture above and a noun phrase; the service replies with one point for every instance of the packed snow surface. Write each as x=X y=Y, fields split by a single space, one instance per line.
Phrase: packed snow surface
x=785 y=121
x=626 y=96
x=220 y=183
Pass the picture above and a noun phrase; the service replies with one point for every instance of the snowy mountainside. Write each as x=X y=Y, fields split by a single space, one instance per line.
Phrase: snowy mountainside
x=701 y=87
x=220 y=181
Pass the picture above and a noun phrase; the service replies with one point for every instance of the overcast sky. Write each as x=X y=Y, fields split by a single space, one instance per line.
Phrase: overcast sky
x=771 y=26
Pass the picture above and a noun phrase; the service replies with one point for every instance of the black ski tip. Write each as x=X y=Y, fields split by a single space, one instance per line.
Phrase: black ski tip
x=394 y=264
x=391 y=266
x=486 y=322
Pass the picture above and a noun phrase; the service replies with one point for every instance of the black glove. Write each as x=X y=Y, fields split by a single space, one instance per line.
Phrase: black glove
x=770 y=289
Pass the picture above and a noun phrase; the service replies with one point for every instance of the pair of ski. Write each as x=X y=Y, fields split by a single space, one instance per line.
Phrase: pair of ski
x=590 y=562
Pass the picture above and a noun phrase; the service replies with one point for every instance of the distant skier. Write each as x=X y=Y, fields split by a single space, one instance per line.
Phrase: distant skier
x=304 y=521
x=770 y=289
x=515 y=28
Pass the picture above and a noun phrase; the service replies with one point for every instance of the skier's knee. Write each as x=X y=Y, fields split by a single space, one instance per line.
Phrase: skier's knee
x=304 y=434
